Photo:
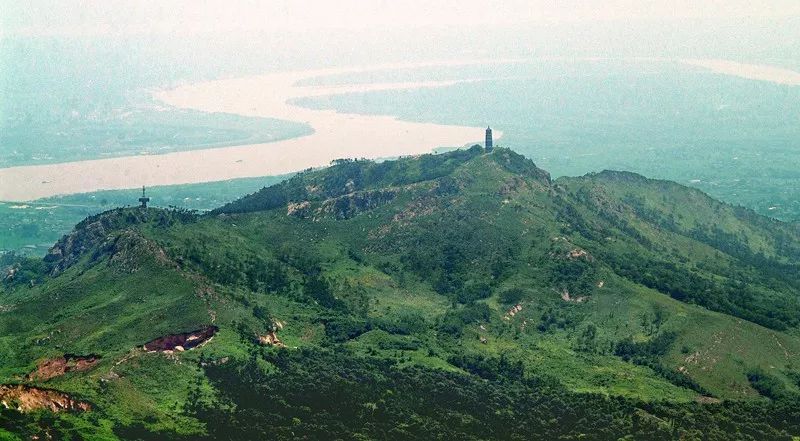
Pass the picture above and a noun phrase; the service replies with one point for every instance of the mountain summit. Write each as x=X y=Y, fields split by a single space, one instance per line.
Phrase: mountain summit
x=465 y=295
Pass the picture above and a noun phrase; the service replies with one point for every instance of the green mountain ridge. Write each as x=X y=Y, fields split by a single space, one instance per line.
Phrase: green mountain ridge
x=584 y=307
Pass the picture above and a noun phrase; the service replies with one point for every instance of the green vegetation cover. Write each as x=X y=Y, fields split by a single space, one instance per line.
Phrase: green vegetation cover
x=465 y=295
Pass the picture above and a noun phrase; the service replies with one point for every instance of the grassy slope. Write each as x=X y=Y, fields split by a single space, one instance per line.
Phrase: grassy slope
x=33 y=229
x=494 y=210
x=497 y=219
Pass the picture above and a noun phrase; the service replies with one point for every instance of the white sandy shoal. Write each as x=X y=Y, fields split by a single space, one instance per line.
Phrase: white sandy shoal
x=336 y=135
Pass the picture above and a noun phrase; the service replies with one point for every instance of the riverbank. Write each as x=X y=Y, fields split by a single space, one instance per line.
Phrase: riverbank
x=336 y=135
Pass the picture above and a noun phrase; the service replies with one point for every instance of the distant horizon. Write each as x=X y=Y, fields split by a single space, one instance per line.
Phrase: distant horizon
x=700 y=92
x=80 y=17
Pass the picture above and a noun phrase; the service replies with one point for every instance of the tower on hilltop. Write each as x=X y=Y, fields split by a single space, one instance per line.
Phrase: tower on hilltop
x=488 y=143
x=144 y=199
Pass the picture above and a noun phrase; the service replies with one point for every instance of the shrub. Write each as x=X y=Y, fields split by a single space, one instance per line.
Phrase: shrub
x=512 y=296
x=454 y=321
x=766 y=384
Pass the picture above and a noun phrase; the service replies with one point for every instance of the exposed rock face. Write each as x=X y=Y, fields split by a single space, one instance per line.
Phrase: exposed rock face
x=512 y=312
x=184 y=341
x=271 y=338
x=55 y=367
x=69 y=249
x=512 y=186
x=98 y=235
x=129 y=247
x=352 y=204
x=565 y=296
x=27 y=399
x=8 y=272
x=299 y=209
x=343 y=206
x=517 y=163
x=578 y=253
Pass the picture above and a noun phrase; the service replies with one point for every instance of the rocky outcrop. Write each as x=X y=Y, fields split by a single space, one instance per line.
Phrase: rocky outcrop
x=419 y=207
x=181 y=342
x=70 y=248
x=513 y=186
x=341 y=207
x=271 y=338
x=512 y=312
x=298 y=209
x=565 y=296
x=128 y=249
x=579 y=253
x=108 y=233
x=28 y=399
x=56 y=367
x=352 y=204
x=518 y=164
x=8 y=273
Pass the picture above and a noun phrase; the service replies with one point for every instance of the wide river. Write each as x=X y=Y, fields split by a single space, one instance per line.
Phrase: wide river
x=336 y=135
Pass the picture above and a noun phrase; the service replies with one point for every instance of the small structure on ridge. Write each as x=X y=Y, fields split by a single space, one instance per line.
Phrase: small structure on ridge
x=144 y=199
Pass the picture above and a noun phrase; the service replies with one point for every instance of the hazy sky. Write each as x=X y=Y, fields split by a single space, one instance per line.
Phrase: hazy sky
x=100 y=17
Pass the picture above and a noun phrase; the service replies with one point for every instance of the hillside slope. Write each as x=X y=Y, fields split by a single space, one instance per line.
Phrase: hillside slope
x=622 y=296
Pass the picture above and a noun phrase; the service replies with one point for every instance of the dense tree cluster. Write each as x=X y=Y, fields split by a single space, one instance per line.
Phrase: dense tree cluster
x=325 y=394
x=335 y=395
x=454 y=321
x=766 y=384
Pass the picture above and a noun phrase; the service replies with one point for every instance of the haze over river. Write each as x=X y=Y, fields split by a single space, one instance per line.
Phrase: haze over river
x=335 y=135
